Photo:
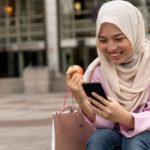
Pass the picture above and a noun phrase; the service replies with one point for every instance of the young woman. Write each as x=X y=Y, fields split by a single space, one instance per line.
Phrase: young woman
x=123 y=69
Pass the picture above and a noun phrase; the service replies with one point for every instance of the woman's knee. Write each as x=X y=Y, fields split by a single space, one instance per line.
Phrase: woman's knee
x=138 y=142
x=102 y=135
x=103 y=138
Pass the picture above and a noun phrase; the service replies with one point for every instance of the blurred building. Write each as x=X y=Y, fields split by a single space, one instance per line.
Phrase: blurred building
x=39 y=39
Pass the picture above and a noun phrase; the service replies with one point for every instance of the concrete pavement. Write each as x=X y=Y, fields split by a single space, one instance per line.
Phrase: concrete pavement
x=25 y=120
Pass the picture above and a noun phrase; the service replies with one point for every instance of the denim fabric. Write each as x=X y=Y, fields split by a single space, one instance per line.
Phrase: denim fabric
x=138 y=142
x=107 y=139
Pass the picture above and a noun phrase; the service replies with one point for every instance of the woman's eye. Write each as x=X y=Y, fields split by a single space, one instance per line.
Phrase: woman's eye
x=102 y=40
x=119 y=39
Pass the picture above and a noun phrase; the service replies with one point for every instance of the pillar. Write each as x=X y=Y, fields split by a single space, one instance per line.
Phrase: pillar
x=52 y=34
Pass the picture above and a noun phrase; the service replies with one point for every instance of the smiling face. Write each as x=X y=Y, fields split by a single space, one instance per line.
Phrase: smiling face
x=113 y=43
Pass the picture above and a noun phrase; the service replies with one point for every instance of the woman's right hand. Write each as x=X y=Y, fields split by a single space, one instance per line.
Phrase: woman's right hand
x=74 y=82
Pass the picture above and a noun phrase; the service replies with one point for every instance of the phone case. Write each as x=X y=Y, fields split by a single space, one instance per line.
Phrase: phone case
x=94 y=87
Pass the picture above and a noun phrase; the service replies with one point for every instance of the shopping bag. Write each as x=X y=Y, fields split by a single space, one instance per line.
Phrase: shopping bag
x=70 y=130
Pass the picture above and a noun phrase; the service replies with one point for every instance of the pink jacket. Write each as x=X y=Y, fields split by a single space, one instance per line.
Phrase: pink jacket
x=141 y=114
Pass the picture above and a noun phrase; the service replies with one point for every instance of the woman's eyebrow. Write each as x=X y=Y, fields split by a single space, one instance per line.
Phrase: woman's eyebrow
x=116 y=35
x=99 y=36
x=119 y=34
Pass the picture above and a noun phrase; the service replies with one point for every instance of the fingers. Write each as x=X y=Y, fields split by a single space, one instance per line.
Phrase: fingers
x=101 y=106
x=74 y=80
x=71 y=72
x=98 y=104
x=101 y=99
x=99 y=109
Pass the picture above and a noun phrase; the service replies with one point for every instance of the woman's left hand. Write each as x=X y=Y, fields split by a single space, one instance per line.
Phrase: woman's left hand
x=111 y=110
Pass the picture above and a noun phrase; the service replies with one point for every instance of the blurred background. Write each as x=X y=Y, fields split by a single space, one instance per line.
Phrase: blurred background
x=39 y=39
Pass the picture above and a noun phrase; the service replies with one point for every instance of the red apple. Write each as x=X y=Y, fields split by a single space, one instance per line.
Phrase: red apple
x=77 y=69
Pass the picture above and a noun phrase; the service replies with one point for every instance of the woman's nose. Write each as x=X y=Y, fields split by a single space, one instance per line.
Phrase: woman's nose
x=111 y=47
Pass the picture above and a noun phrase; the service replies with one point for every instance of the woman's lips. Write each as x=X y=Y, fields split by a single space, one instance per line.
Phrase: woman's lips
x=116 y=55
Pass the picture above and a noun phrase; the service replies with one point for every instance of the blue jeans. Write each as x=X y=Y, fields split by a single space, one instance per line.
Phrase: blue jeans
x=107 y=139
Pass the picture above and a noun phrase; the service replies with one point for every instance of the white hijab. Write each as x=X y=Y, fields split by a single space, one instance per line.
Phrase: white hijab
x=128 y=83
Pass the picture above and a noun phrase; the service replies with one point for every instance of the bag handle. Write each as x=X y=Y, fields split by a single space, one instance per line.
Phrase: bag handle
x=71 y=107
x=66 y=96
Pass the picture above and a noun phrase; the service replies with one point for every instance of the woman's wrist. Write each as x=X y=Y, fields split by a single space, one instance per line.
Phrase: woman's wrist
x=81 y=102
x=86 y=109
x=128 y=120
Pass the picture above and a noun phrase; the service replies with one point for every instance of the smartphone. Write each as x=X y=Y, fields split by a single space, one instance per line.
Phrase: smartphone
x=94 y=87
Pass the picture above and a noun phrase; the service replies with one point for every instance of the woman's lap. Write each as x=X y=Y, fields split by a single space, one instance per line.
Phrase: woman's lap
x=108 y=139
x=138 y=142
x=104 y=139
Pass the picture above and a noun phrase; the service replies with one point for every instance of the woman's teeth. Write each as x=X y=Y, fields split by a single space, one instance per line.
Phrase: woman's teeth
x=115 y=54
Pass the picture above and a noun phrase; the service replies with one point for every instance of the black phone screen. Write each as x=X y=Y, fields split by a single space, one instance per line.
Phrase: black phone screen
x=94 y=87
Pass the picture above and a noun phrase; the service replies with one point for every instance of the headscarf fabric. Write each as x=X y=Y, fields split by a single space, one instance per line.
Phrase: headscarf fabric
x=128 y=82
